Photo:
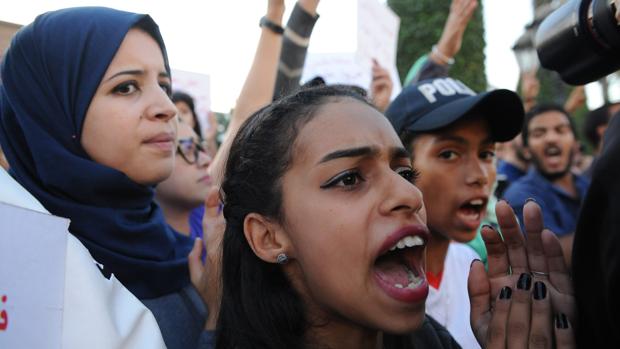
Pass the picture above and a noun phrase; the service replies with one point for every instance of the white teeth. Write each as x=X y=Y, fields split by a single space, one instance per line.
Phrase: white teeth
x=476 y=202
x=408 y=241
x=415 y=283
x=411 y=241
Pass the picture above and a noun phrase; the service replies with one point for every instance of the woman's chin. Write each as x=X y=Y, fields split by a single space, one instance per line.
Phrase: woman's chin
x=151 y=176
x=404 y=324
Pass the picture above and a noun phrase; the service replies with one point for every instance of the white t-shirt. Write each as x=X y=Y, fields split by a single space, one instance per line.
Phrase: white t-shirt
x=449 y=304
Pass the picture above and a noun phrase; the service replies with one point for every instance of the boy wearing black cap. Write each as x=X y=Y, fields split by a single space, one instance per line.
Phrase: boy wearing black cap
x=451 y=132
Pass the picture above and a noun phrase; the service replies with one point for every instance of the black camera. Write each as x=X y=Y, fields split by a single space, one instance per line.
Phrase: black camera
x=580 y=40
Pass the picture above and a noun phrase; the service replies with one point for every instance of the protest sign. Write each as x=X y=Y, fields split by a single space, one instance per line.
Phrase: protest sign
x=199 y=87
x=32 y=277
x=376 y=38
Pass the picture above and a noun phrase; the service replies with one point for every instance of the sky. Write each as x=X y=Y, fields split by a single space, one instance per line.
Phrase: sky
x=218 y=38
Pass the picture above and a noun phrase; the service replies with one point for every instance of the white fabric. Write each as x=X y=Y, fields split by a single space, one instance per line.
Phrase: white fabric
x=449 y=304
x=98 y=313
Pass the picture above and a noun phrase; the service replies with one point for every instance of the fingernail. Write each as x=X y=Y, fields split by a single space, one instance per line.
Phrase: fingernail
x=525 y=282
x=561 y=322
x=504 y=200
x=220 y=208
x=505 y=293
x=530 y=199
x=488 y=226
x=540 y=290
x=472 y=262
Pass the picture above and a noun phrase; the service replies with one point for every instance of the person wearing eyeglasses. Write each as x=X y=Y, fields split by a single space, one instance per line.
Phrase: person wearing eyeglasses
x=189 y=184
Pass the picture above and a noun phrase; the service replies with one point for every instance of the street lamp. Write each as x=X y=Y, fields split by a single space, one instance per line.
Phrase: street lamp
x=524 y=50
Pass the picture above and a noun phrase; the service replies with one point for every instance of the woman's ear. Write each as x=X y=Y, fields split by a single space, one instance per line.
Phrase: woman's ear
x=265 y=237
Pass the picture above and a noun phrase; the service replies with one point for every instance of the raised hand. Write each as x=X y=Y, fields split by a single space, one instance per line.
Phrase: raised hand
x=206 y=277
x=380 y=87
x=451 y=39
x=526 y=297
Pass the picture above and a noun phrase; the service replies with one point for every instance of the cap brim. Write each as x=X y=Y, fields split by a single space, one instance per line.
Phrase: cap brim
x=502 y=109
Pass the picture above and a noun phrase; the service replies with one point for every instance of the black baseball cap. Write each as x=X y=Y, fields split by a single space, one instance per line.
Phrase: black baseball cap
x=432 y=104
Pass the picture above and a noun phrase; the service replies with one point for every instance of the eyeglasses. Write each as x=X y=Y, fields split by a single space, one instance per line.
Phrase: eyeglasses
x=190 y=150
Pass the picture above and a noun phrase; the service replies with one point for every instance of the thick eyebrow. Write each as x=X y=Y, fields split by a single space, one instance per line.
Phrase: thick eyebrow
x=400 y=153
x=460 y=140
x=368 y=151
x=137 y=72
x=350 y=153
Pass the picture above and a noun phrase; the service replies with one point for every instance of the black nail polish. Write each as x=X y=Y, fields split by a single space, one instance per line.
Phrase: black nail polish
x=505 y=293
x=525 y=282
x=472 y=262
x=540 y=290
x=530 y=199
x=561 y=322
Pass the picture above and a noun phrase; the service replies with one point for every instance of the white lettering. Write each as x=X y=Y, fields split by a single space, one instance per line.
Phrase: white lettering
x=461 y=88
x=444 y=87
x=428 y=91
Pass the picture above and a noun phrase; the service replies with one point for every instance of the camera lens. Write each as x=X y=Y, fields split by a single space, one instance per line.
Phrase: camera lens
x=580 y=40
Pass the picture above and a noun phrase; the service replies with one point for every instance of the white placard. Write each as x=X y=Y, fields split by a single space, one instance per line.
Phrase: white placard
x=336 y=68
x=377 y=32
x=377 y=38
x=32 y=277
x=199 y=87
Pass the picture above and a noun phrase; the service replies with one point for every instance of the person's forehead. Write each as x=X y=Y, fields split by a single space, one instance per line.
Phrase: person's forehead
x=181 y=104
x=344 y=124
x=468 y=130
x=549 y=119
x=138 y=50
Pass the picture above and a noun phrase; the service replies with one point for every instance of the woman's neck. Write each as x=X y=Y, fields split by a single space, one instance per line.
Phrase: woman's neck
x=436 y=251
x=176 y=217
x=336 y=334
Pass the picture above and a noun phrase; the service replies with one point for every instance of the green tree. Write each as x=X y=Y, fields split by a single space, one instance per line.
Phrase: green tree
x=421 y=24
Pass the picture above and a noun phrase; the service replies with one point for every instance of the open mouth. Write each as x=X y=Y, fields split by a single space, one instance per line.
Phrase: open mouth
x=553 y=155
x=399 y=270
x=552 y=151
x=472 y=211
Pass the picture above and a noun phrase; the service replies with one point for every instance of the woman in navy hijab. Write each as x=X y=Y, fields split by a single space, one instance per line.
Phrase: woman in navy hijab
x=88 y=128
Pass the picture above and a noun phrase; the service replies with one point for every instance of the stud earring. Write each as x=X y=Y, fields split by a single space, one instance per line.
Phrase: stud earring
x=282 y=258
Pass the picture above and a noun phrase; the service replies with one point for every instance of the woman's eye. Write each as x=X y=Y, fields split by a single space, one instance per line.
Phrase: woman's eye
x=347 y=180
x=448 y=155
x=408 y=173
x=126 y=88
x=487 y=155
x=167 y=88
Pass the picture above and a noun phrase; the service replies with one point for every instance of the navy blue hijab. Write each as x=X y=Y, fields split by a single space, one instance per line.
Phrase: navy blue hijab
x=49 y=75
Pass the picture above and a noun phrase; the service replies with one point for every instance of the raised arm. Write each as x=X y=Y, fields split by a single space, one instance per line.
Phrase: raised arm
x=438 y=61
x=295 y=46
x=257 y=91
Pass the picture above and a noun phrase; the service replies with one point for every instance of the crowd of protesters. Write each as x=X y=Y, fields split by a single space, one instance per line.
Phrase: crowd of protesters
x=330 y=216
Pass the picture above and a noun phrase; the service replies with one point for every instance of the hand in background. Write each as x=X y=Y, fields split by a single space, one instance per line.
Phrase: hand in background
x=451 y=39
x=380 y=87
x=575 y=100
x=206 y=277
x=530 y=87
